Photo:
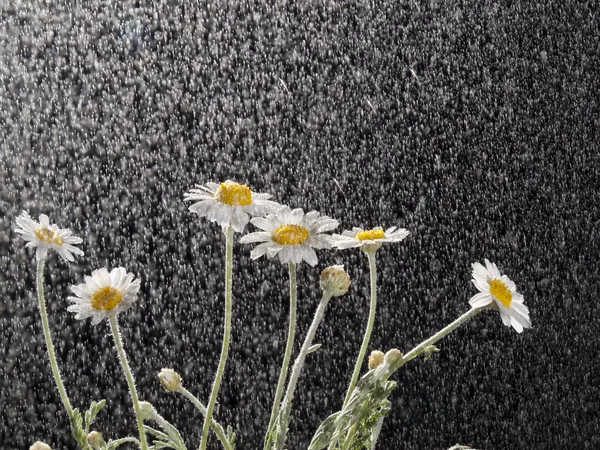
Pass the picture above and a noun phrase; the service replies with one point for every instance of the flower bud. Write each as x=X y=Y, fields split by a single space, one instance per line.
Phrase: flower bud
x=39 y=445
x=147 y=411
x=335 y=280
x=95 y=440
x=170 y=380
x=375 y=359
x=392 y=356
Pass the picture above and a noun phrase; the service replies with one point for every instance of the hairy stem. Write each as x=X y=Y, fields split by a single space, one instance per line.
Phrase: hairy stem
x=218 y=429
x=422 y=347
x=48 y=338
x=114 y=327
x=286 y=358
x=226 y=336
x=370 y=323
x=284 y=414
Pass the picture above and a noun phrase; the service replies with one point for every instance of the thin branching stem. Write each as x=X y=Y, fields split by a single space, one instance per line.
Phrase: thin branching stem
x=297 y=369
x=218 y=429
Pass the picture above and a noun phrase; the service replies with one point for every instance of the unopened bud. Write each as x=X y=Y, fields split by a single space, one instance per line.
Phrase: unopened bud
x=95 y=440
x=39 y=445
x=392 y=356
x=170 y=380
x=375 y=359
x=335 y=280
x=147 y=411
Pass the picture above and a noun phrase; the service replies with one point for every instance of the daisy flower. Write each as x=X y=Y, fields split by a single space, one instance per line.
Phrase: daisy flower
x=368 y=238
x=230 y=203
x=502 y=293
x=104 y=294
x=47 y=237
x=291 y=235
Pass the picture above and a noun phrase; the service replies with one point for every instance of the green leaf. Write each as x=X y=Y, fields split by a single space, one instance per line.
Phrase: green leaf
x=230 y=436
x=156 y=433
x=113 y=444
x=77 y=430
x=92 y=412
x=313 y=348
x=430 y=350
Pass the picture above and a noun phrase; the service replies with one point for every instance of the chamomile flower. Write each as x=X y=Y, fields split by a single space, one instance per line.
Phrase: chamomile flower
x=46 y=237
x=368 y=238
x=230 y=203
x=501 y=291
x=104 y=294
x=291 y=235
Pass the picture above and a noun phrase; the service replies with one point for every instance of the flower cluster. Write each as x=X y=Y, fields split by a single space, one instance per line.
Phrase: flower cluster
x=292 y=236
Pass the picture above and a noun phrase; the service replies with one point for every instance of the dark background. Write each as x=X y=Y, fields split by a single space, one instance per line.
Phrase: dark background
x=474 y=124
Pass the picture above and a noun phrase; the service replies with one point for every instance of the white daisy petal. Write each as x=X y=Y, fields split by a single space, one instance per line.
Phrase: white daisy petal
x=202 y=207
x=480 y=299
x=482 y=286
x=368 y=239
x=515 y=324
x=229 y=204
x=263 y=224
x=504 y=315
x=104 y=294
x=310 y=257
x=45 y=236
x=259 y=236
x=260 y=250
x=503 y=292
x=291 y=235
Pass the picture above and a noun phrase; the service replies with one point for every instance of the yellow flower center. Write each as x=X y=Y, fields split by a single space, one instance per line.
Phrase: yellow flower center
x=368 y=235
x=289 y=234
x=106 y=298
x=234 y=194
x=500 y=290
x=45 y=234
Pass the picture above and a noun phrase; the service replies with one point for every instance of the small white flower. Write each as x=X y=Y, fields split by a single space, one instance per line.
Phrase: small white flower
x=368 y=238
x=47 y=237
x=502 y=292
x=104 y=294
x=230 y=203
x=291 y=235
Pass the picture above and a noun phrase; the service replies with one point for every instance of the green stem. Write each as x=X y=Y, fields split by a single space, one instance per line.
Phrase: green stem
x=48 y=337
x=371 y=321
x=226 y=336
x=419 y=349
x=297 y=368
x=218 y=429
x=286 y=358
x=114 y=327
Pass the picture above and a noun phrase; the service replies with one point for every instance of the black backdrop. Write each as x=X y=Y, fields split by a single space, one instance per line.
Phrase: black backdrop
x=474 y=124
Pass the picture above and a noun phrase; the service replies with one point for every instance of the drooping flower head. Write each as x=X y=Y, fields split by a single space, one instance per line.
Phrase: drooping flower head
x=368 y=239
x=230 y=203
x=46 y=237
x=502 y=292
x=104 y=294
x=291 y=235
